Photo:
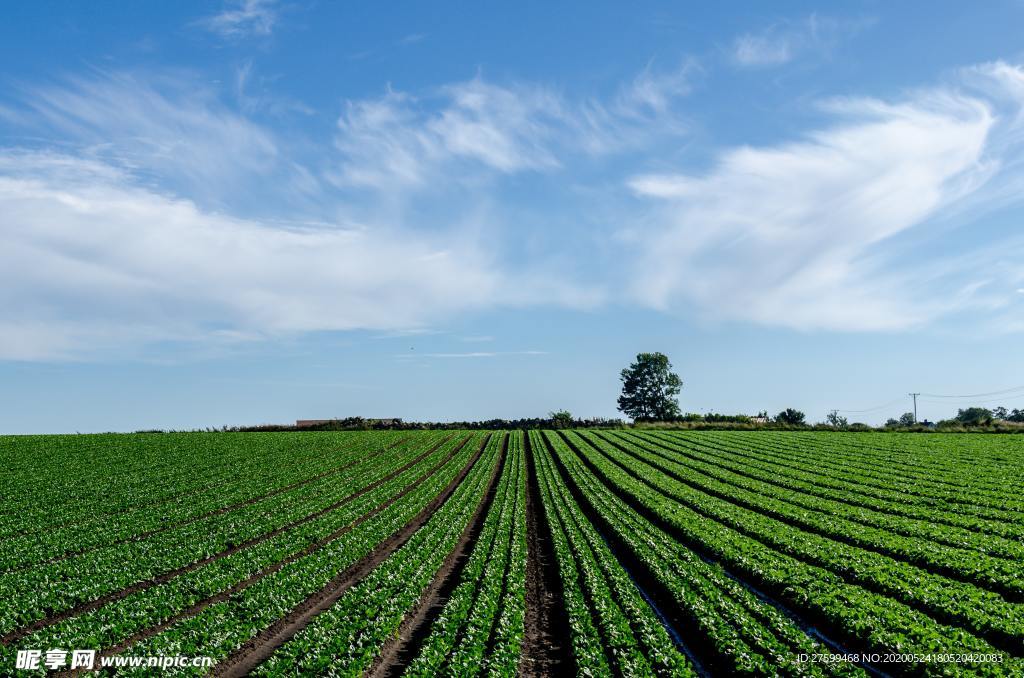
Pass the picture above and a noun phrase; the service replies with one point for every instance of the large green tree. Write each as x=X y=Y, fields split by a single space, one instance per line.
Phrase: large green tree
x=974 y=416
x=791 y=417
x=649 y=389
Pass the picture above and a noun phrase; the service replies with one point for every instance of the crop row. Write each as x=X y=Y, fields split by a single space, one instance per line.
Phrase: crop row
x=982 y=612
x=736 y=632
x=36 y=548
x=115 y=623
x=489 y=600
x=345 y=638
x=921 y=487
x=985 y=536
x=978 y=461
x=893 y=492
x=865 y=617
x=614 y=629
x=201 y=466
x=33 y=594
x=819 y=516
x=222 y=628
x=984 y=472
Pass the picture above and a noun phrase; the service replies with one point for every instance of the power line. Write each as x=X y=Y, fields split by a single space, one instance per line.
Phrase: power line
x=874 y=409
x=975 y=395
x=942 y=399
x=1002 y=401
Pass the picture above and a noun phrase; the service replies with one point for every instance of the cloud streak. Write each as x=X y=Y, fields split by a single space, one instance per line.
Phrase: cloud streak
x=471 y=354
x=805 y=234
x=400 y=141
x=243 y=19
x=784 y=41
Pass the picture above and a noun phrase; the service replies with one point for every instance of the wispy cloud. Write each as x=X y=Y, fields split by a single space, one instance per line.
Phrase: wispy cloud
x=408 y=332
x=472 y=354
x=784 y=41
x=793 y=234
x=412 y=38
x=401 y=141
x=169 y=127
x=394 y=140
x=243 y=18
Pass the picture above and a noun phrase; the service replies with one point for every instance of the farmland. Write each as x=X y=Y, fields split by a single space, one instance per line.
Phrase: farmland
x=588 y=552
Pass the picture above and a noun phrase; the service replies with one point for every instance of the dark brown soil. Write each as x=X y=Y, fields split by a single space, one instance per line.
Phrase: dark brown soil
x=257 y=650
x=415 y=629
x=105 y=599
x=546 y=647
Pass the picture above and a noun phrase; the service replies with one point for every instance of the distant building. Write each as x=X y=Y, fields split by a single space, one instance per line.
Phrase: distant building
x=306 y=423
x=759 y=420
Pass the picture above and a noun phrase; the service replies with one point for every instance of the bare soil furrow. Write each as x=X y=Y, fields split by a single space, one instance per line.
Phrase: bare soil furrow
x=404 y=647
x=258 y=649
x=546 y=641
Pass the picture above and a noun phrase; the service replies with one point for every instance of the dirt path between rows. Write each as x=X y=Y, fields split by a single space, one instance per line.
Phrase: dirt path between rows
x=257 y=650
x=113 y=596
x=402 y=648
x=546 y=645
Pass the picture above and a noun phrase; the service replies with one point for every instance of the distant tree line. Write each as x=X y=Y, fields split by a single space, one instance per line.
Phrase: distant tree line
x=649 y=390
x=555 y=420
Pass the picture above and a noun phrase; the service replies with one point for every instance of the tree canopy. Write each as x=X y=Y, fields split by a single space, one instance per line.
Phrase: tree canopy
x=791 y=417
x=974 y=416
x=649 y=389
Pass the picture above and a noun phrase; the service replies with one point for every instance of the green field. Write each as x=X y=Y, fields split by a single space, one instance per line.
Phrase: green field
x=611 y=552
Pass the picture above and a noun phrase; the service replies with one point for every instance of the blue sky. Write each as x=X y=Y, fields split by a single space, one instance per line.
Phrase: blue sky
x=260 y=211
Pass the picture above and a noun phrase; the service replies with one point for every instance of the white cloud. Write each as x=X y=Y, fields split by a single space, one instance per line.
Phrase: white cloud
x=94 y=262
x=643 y=112
x=399 y=141
x=395 y=141
x=132 y=234
x=169 y=128
x=782 y=42
x=793 y=234
x=243 y=18
x=763 y=50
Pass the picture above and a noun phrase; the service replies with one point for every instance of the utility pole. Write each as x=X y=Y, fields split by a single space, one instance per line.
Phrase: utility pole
x=914 y=396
